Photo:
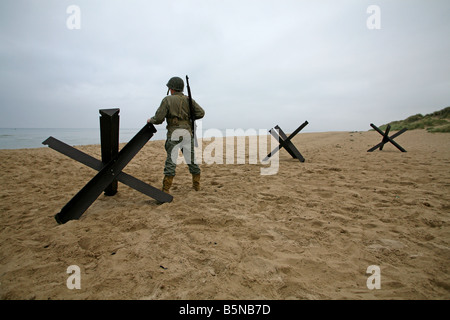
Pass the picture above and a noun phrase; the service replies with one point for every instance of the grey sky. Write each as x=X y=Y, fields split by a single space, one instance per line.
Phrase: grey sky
x=251 y=63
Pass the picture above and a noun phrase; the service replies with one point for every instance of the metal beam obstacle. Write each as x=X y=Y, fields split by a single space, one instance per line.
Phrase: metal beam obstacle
x=386 y=138
x=109 y=169
x=286 y=143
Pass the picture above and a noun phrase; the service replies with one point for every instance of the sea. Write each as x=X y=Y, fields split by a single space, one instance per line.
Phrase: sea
x=25 y=138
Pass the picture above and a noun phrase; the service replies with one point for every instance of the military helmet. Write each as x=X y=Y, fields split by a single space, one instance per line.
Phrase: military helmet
x=176 y=84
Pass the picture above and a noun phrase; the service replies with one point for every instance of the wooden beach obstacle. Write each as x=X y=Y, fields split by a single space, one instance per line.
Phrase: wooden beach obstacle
x=109 y=169
x=386 y=138
x=286 y=143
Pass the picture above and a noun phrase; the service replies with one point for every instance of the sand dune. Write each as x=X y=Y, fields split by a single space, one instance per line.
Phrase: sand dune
x=308 y=232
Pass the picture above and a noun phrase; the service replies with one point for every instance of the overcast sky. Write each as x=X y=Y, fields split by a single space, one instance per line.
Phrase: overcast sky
x=251 y=63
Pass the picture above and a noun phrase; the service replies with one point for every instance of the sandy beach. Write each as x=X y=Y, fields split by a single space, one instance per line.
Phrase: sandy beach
x=308 y=232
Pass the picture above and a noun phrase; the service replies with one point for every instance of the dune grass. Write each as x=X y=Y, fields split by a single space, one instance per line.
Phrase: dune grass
x=438 y=121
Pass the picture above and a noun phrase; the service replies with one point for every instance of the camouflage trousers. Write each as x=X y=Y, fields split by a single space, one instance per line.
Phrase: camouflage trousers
x=172 y=148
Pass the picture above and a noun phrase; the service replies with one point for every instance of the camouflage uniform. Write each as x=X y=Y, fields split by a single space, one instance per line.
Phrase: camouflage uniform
x=175 y=110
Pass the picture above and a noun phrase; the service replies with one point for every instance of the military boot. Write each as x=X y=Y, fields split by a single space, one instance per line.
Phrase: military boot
x=196 y=181
x=167 y=183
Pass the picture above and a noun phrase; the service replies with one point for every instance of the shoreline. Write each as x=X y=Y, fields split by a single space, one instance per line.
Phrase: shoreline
x=129 y=133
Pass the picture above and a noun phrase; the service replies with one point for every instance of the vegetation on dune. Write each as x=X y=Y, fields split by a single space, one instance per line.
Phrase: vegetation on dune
x=438 y=121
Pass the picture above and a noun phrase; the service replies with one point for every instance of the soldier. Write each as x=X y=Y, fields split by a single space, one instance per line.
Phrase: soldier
x=175 y=109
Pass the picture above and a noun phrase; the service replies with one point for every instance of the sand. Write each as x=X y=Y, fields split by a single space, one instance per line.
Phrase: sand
x=308 y=232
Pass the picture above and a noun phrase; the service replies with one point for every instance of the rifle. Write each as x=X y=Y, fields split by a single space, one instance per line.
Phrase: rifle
x=192 y=112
